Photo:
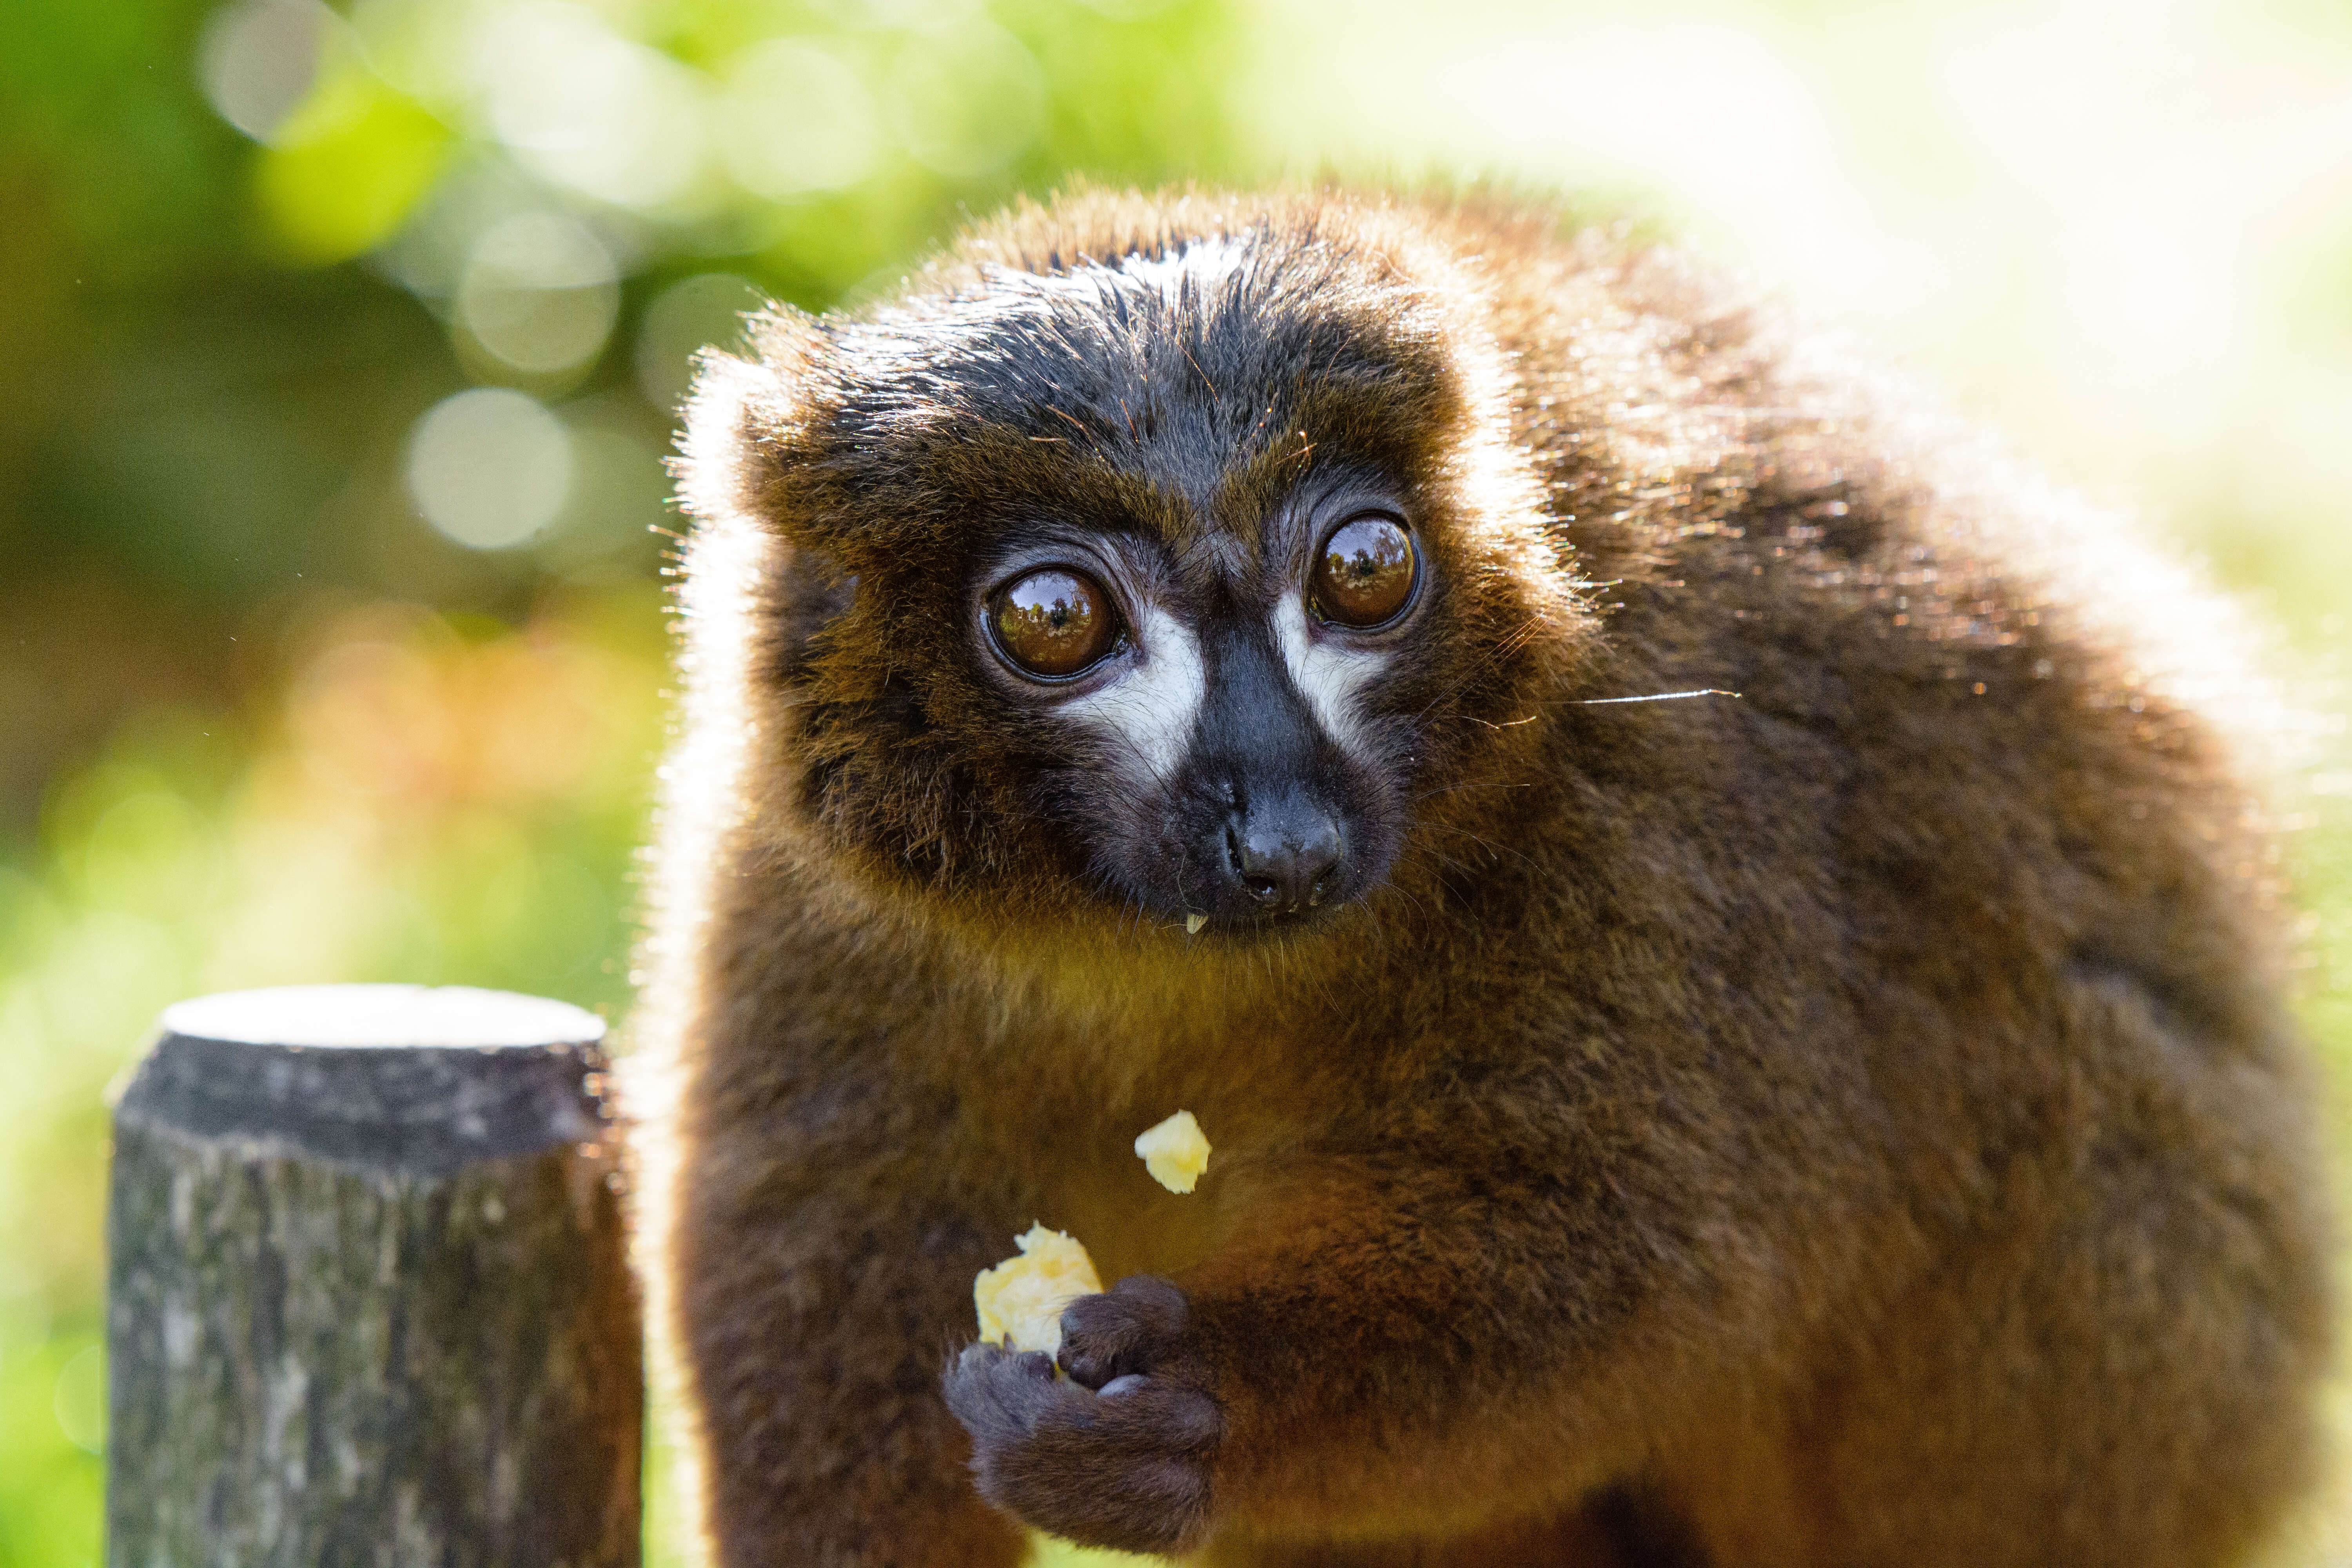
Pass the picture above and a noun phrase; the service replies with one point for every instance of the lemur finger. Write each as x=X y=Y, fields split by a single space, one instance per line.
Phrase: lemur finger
x=1134 y=1326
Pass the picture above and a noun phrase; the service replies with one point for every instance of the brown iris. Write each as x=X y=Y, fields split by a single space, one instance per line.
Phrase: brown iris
x=1054 y=622
x=1364 y=573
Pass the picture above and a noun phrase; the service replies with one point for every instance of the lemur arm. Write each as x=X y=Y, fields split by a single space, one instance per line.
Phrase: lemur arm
x=1380 y=1331
x=823 y=1265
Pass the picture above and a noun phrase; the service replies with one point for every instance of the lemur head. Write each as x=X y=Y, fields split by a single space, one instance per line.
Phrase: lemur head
x=1156 y=576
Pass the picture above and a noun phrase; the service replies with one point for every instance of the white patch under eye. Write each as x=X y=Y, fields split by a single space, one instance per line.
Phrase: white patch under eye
x=1330 y=676
x=1149 y=712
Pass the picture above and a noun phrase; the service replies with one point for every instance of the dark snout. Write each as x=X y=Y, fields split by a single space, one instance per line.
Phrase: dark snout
x=1265 y=825
x=1284 y=854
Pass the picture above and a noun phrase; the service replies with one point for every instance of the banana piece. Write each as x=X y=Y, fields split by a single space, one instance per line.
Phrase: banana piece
x=1019 y=1300
x=1175 y=1152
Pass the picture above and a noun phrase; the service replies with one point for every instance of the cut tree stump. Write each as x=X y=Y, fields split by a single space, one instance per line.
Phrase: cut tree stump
x=368 y=1296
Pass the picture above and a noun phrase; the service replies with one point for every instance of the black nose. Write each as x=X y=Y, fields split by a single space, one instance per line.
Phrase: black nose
x=1287 y=853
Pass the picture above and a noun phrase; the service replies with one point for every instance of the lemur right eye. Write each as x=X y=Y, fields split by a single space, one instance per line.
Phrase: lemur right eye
x=1053 y=622
x=1365 y=573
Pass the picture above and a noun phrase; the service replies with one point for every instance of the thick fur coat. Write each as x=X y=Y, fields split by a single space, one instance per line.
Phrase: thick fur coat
x=1847 y=1120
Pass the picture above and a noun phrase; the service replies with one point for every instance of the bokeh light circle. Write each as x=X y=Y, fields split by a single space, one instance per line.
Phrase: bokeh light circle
x=693 y=313
x=489 y=467
x=795 y=118
x=966 y=101
x=258 y=60
x=587 y=108
x=540 y=291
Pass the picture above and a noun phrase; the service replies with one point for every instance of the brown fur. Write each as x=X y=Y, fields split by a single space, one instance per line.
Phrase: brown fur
x=1850 y=1123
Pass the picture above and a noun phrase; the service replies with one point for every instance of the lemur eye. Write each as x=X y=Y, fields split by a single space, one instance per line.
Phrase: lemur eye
x=1365 y=573
x=1054 y=622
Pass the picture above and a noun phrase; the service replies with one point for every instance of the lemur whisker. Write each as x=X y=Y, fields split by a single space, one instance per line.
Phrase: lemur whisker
x=1510 y=643
x=1480 y=838
x=1456 y=789
x=1655 y=697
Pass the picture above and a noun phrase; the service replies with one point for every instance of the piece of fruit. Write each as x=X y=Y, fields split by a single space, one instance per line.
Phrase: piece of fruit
x=1021 y=1299
x=1174 y=1151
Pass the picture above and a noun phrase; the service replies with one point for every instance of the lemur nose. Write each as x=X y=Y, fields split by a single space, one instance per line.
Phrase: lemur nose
x=1287 y=854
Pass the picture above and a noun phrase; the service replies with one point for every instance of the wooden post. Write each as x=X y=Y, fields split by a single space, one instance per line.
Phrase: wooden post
x=368 y=1300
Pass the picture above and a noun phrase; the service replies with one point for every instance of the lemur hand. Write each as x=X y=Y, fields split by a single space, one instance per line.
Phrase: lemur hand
x=1118 y=1455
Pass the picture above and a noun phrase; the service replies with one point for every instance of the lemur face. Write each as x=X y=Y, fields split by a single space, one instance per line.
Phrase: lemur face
x=1163 y=586
x=1245 y=768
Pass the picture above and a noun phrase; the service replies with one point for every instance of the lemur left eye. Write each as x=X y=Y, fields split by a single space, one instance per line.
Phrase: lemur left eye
x=1055 y=622
x=1365 y=573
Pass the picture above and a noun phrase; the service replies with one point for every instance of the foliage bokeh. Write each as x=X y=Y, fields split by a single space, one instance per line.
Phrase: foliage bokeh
x=339 y=349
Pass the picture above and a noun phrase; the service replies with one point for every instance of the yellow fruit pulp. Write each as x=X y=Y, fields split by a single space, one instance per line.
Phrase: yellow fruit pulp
x=1175 y=1152
x=1021 y=1299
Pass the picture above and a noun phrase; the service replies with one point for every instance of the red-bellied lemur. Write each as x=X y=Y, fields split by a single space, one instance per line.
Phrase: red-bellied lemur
x=1199 y=651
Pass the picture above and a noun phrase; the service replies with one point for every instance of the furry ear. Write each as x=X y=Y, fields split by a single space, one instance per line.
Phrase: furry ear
x=747 y=416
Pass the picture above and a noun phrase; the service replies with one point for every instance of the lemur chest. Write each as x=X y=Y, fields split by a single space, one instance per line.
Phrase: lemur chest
x=1129 y=1223
x=1091 y=1181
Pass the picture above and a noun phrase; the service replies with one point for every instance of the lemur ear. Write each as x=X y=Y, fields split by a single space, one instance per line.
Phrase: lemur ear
x=747 y=419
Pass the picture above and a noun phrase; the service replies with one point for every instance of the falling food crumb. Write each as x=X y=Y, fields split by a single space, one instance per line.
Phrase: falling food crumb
x=1175 y=1152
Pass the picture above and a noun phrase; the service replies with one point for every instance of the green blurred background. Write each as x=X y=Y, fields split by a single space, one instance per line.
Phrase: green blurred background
x=339 y=349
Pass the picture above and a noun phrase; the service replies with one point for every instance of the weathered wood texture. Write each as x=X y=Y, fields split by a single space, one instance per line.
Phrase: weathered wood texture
x=368 y=1297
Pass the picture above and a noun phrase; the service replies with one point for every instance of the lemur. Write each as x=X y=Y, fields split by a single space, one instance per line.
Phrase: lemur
x=1724 y=933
